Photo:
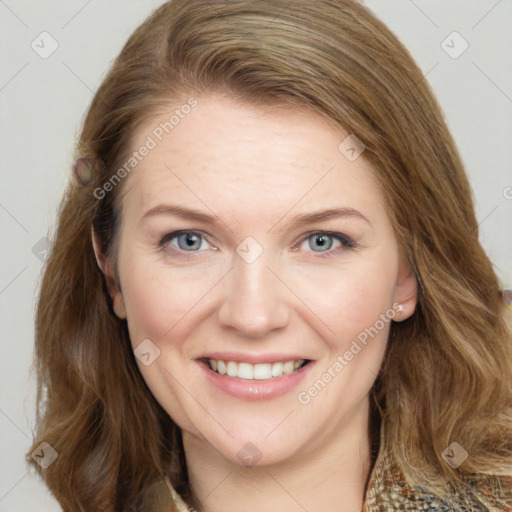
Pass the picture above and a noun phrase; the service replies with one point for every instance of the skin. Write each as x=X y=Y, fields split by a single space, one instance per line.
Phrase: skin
x=255 y=170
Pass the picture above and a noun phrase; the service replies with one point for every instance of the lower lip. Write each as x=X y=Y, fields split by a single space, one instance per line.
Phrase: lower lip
x=255 y=389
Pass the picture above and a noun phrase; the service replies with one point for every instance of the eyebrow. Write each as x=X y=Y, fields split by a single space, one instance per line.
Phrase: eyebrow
x=298 y=221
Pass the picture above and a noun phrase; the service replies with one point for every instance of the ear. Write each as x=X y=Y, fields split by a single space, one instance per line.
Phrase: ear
x=406 y=291
x=111 y=279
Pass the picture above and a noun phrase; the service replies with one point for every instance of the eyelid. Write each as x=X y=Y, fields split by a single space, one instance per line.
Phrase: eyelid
x=175 y=234
x=346 y=241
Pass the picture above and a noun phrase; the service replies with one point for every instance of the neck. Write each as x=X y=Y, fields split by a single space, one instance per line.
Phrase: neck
x=329 y=476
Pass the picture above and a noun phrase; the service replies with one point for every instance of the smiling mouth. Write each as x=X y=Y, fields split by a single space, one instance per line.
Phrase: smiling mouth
x=259 y=371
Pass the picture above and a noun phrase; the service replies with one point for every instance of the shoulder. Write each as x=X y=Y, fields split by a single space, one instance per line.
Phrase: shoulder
x=389 y=490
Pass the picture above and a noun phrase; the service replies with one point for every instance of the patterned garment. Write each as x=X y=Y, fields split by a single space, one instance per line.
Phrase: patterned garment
x=387 y=490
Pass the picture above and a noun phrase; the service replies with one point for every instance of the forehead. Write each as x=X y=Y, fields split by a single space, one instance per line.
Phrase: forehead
x=236 y=154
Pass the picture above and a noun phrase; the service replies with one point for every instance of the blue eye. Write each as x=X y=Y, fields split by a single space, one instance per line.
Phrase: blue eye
x=192 y=242
x=325 y=240
x=188 y=241
x=322 y=241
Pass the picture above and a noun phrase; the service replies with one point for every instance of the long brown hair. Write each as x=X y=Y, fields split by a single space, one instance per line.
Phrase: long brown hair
x=447 y=374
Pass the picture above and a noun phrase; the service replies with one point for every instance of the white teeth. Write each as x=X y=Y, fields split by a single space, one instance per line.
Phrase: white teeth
x=277 y=369
x=232 y=369
x=245 y=371
x=288 y=367
x=260 y=371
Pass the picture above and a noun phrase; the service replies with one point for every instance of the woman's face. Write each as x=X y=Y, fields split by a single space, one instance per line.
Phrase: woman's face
x=225 y=255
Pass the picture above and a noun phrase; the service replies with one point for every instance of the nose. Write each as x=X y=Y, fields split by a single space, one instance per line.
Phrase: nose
x=254 y=302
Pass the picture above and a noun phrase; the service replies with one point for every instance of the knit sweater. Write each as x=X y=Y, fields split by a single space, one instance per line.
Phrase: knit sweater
x=388 y=490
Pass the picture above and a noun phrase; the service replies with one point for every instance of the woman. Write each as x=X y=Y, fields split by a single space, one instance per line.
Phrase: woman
x=195 y=348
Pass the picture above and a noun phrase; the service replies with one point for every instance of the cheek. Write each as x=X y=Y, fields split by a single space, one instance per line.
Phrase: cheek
x=146 y=304
x=159 y=307
x=342 y=298
x=346 y=299
x=150 y=302
x=157 y=298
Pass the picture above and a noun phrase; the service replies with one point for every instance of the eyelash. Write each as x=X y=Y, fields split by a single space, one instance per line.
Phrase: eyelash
x=347 y=242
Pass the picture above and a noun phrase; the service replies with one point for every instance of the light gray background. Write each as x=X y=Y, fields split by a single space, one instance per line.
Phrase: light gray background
x=42 y=102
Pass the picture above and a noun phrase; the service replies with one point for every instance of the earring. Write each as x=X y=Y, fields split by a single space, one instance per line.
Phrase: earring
x=400 y=308
x=86 y=170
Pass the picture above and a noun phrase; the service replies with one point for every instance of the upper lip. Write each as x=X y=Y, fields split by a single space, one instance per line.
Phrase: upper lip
x=252 y=358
